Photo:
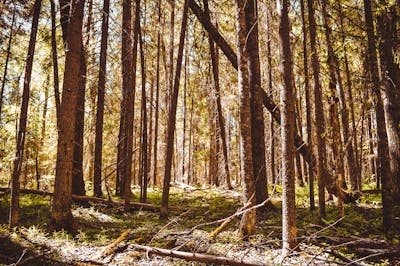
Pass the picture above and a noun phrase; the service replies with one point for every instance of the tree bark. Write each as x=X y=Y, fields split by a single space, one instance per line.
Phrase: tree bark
x=172 y=116
x=217 y=96
x=55 y=59
x=390 y=71
x=98 y=149
x=289 y=230
x=319 y=119
x=246 y=161
x=61 y=208
x=155 y=173
x=335 y=81
x=257 y=111
x=19 y=155
x=308 y=104
x=144 y=165
x=383 y=169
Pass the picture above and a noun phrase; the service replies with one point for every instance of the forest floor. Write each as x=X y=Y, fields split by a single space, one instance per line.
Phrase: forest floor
x=355 y=239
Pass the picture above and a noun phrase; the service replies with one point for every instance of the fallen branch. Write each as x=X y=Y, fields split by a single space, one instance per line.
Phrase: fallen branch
x=205 y=258
x=77 y=198
x=110 y=248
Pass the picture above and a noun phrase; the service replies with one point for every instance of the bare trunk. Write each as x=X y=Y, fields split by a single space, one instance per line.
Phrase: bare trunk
x=172 y=117
x=19 y=155
x=98 y=149
x=289 y=230
x=383 y=169
x=246 y=155
x=61 y=208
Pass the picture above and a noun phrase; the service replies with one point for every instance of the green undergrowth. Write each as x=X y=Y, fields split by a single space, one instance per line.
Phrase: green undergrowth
x=100 y=225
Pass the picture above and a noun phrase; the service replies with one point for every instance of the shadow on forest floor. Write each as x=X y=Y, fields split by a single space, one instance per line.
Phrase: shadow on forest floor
x=355 y=238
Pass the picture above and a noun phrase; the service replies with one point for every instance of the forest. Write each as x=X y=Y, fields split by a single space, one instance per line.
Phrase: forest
x=199 y=132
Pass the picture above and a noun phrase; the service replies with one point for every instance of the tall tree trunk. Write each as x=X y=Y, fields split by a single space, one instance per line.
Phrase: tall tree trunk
x=289 y=231
x=217 y=96
x=271 y=90
x=98 y=149
x=3 y=84
x=130 y=107
x=19 y=155
x=383 y=169
x=55 y=58
x=144 y=165
x=308 y=104
x=386 y=21
x=246 y=161
x=318 y=112
x=78 y=185
x=126 y=58
x=269 y=104
x=172 y=116
x=351 y=151
x=155 y=173
x=61 y=208
x=257 y=111
x=335 y=82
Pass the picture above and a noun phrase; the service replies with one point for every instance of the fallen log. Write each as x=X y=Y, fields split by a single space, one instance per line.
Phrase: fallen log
x=78 y=198
x=205 y=258
x=268 y=102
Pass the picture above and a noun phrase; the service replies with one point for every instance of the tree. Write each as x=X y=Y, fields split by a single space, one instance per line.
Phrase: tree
x=387 y=29
x=55 y=59
x=289 y=231
x=61 y=207
x=172 y=116
x=383 y=170
x=308 y=103
x=78 y=185
x=257 y=111
x=3 y=83
x=100 y=102
x=319 y=119
x=23 y=118
x=335 y=81
x=246 y=161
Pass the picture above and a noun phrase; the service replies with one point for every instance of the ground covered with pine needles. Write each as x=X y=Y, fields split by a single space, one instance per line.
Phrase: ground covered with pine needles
x=106 y=235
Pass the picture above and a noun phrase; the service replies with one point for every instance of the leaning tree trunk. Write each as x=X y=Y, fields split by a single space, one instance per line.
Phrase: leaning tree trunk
x=269 y=104
x=98 y=149
x=14 y=204
x=246 y=161
x=61 y=208
x=289 y=231
x=172 y=116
